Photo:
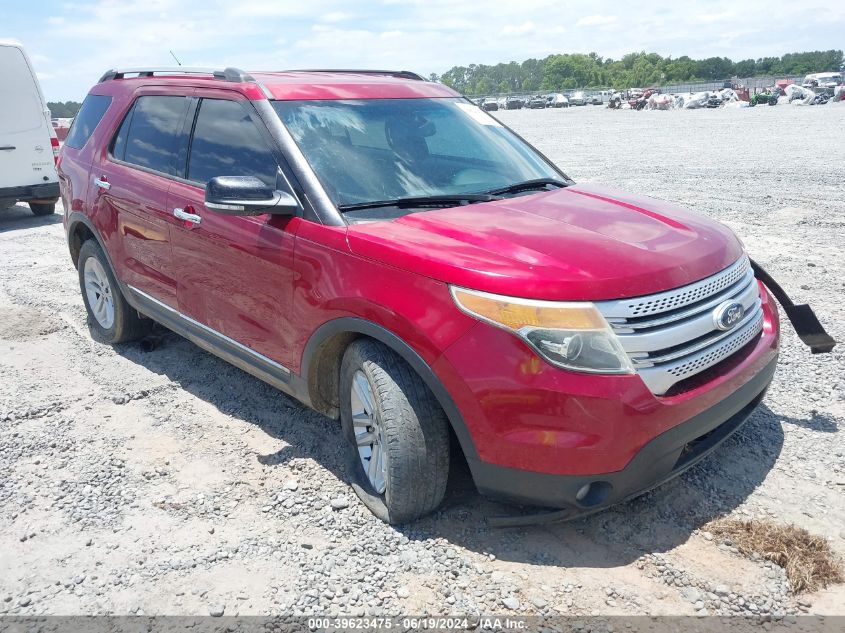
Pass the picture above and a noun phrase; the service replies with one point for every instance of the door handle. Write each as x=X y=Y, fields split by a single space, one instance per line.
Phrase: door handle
x=102 y=183
x=188 y=217
x=7 y=148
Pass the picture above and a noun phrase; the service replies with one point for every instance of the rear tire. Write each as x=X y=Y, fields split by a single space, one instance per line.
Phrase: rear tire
x=110 y=316
x=42 y=208
x=405 y=426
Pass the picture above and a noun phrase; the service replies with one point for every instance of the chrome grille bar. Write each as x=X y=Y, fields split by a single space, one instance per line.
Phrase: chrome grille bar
x=672 y=335
x=734 y=291
x=678 y=298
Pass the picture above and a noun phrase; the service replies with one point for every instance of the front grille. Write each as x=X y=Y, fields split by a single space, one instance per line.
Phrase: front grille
x=671 y=336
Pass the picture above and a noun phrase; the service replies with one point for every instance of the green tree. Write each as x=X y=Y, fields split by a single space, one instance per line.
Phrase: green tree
x=639 y=69
x=63 y=110
x=483 y=86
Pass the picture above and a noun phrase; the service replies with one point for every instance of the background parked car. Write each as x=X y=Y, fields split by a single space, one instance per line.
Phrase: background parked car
x=28 y=143
x=536 y=102
x=557 y=100
x=578 y=98
x=489 y=105
x=62 y=127
x=514 y=103
x=822 y=81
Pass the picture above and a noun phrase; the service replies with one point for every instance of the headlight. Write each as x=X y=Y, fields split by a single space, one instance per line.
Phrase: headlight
x=572 y=335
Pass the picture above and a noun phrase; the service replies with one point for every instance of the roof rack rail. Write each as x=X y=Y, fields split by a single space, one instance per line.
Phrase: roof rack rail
x=403 y=74
x=227 y=74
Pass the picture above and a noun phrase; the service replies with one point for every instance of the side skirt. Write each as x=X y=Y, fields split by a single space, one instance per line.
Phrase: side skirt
x=221 y=345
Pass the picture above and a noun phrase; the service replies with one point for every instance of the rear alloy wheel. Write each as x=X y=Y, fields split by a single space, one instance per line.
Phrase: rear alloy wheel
x=397 y=433
x=99 y=293
x=111 y=317
x=40 y=208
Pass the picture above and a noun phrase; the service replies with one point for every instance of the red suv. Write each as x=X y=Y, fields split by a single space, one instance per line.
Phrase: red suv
x=381 y=249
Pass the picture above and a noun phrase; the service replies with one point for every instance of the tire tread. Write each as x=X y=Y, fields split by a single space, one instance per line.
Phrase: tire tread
x=414 y=428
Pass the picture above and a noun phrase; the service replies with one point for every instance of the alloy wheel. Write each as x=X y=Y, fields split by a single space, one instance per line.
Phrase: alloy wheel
x=99 y=293
x=368 y=436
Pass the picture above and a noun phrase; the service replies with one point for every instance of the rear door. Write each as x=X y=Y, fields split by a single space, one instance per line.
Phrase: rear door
x=26 y=153
x=129 y=188
x=235 y=272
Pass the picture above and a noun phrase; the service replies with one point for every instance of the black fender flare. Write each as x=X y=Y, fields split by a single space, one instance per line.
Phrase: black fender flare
x=359 y=326
x=77 y=217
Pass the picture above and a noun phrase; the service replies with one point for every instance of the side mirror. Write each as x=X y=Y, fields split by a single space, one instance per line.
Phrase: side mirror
x=247 y=195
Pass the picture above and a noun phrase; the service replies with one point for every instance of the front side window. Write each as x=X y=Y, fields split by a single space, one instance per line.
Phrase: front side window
x=150 y=134
x=226 y=142
x=385 y=149
x=86 y=120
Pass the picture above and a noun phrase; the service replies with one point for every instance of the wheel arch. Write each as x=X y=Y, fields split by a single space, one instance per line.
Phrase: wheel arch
x=321 y=370
x=79 y=230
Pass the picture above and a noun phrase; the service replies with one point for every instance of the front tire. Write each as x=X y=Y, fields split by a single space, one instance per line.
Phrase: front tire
x=396 y=431
x=110 y=316
x=42 y=208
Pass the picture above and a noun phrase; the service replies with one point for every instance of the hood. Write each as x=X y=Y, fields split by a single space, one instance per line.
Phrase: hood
x=583 y=242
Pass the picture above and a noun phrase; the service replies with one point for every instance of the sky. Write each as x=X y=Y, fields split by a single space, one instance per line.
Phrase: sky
x=72 y=43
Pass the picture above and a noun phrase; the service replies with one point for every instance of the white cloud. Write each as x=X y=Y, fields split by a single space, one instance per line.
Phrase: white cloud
x=709 y=18
x=597 y=20
x=336 y=16
x=525 y=28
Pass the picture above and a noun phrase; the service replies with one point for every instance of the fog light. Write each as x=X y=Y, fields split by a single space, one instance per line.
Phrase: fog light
x=582 y=492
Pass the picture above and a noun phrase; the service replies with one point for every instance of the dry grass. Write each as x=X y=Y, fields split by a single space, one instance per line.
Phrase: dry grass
x=808 y=560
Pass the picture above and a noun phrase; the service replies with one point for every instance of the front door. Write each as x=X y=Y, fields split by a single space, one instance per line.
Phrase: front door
x=235 y=272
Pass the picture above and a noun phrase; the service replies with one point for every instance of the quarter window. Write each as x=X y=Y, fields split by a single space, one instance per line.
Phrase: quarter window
x=226 y=142
x=152 y=137
x=118 y=149
x=86 y=120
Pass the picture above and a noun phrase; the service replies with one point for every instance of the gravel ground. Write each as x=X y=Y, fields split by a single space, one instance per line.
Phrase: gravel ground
x=169 y=482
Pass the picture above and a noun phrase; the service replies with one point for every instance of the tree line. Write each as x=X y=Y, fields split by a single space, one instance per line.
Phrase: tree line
x=575 y=70
x=66 y=110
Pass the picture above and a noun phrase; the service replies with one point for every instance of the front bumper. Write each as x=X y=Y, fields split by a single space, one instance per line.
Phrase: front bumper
x=664 y=457
x=45 y=191
x=541 y=434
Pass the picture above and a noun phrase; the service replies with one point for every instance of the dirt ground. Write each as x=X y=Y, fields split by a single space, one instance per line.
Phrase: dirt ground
x=168 y=482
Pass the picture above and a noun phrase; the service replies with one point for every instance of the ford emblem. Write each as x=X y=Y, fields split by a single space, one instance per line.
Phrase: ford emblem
x=728 y=314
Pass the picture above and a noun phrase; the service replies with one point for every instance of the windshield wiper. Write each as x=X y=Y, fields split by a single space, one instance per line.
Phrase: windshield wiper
x=528 y=185
x=422 y=201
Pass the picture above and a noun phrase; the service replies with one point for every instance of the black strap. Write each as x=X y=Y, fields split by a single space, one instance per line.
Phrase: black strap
x=803 y=319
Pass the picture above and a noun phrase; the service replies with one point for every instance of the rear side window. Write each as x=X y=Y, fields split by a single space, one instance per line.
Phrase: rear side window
x=150 y=134
x=86 y=120
x=226 y=142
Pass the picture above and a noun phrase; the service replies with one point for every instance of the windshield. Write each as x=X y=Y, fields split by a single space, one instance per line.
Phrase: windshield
x=385 y=149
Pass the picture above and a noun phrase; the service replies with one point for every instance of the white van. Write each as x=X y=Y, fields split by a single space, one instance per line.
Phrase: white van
x=28 y=143
x=821 y=81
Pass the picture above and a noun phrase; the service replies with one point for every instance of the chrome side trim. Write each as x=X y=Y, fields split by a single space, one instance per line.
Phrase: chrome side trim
x=214 y=333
